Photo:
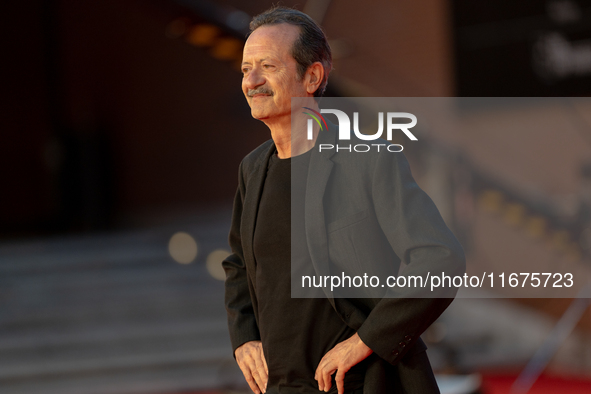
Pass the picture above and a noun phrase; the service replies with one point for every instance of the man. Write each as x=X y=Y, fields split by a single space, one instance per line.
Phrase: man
x=291 y=345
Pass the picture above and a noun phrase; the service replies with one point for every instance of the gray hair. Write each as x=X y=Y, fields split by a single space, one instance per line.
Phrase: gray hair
x=310 y=47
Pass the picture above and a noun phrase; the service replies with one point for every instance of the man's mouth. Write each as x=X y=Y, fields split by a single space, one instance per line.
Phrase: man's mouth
x=259 y=93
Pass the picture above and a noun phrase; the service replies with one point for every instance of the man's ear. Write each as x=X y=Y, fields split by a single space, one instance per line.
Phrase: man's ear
x=314 y=77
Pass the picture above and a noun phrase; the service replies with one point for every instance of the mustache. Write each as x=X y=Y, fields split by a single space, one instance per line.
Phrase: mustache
x=261 y=90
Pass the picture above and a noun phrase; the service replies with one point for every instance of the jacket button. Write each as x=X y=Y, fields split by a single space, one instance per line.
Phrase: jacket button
x=402 y=344
x=395 y=353
x=407 y=338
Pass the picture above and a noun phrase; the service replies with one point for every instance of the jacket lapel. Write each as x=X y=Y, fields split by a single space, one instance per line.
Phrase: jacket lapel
x=318 y=174
x=254 y=189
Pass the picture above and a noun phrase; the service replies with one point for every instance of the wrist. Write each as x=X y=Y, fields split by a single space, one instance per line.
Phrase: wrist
x=361 y=345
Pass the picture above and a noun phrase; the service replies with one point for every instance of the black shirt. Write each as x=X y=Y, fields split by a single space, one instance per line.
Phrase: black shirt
x=295 y=333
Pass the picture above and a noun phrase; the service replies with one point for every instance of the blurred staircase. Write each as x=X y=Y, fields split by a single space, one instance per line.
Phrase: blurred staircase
x=113 y=314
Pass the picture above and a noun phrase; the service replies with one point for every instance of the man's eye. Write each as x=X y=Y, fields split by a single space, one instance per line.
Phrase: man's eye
x=268 y=66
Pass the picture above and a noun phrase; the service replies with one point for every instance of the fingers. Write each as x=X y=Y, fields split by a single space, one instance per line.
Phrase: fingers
x=261 y=380
x=252 y=363
x=324 y=378
x=318 y=376
x=323 y=374
x=327 y=380
x=261 y=373
x=340 y=380
x=265 y=363
x=250 y=379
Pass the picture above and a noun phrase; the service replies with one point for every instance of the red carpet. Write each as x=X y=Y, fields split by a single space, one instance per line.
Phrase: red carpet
x=501 y=384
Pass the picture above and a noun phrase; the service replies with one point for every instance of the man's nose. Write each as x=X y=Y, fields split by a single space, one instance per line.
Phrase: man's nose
x=253 y=79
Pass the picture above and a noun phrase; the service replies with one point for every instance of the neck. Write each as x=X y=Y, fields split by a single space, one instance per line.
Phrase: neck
x=290 y=134
x=281 y=135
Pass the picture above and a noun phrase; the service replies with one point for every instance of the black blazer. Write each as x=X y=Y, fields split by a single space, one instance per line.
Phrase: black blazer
x=384 y=218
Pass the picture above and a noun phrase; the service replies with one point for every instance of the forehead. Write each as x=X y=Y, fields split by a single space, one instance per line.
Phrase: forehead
x=273 y=40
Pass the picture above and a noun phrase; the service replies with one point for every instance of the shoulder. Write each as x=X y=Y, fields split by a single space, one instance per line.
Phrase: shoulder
x=254 y=159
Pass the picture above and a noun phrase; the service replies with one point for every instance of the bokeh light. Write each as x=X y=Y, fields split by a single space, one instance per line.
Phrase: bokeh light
x=182 y=248
x=214 y=263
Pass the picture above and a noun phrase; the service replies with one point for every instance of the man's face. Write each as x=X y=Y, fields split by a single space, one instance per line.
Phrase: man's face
x=270 y=76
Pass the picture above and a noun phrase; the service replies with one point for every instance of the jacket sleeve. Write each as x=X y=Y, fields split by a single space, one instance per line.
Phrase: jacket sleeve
x=241 y=319
x=417 y=233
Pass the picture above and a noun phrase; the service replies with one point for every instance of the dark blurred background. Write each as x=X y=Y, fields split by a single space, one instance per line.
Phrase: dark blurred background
x=123 y=125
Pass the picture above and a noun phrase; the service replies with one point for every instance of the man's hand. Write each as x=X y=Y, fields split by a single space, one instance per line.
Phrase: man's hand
x=251 y=361
x=341 y=358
